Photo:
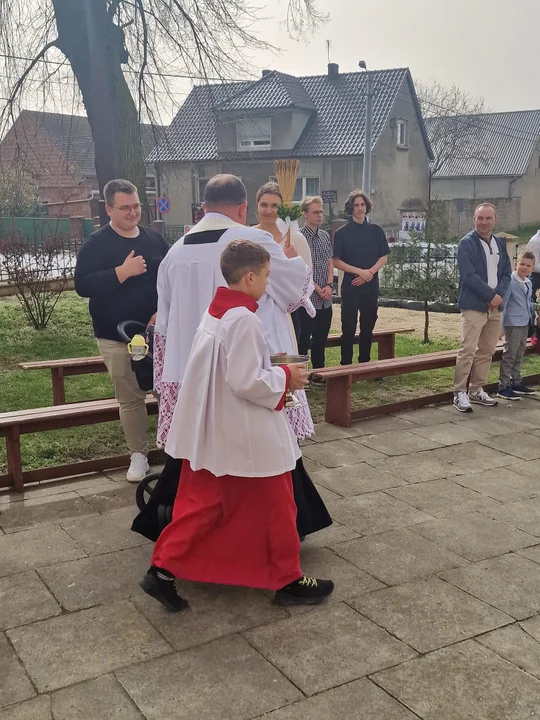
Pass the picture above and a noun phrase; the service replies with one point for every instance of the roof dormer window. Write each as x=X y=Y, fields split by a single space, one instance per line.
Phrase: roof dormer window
x=253 y=134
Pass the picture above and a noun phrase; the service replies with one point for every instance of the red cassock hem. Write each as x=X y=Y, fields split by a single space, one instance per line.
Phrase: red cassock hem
x=232 y=531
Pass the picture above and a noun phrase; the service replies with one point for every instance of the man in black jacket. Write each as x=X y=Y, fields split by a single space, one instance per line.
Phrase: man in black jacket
x=117 y=269
x=360 y=250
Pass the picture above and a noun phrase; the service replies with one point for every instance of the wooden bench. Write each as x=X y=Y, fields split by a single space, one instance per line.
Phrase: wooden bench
x=339 y=381
x=20 y=422
x=61 y=369
x=385 y=339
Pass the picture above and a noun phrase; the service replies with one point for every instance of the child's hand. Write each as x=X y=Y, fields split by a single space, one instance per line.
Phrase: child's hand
x=299 y=376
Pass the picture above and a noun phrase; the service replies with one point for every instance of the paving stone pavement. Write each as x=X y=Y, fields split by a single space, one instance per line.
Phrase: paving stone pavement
x=435 y=552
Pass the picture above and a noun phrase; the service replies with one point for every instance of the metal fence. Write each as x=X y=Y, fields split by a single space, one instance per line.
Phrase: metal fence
x=61 y=264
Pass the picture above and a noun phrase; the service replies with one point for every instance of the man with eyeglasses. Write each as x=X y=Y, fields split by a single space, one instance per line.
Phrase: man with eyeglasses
x=117 y=269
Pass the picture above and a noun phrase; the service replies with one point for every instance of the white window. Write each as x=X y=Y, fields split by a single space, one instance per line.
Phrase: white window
x=200 y=189
x=304 y=186
x=401 y=128
x=253 y=134
x=150 y=183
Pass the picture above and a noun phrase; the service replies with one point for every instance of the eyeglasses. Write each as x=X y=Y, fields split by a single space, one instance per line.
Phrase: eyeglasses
x=128 y=208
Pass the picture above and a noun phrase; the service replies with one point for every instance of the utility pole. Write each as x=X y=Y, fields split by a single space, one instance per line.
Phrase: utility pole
x=366 y=178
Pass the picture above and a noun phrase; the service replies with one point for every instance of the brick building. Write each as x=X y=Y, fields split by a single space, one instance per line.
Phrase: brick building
x=58 y=151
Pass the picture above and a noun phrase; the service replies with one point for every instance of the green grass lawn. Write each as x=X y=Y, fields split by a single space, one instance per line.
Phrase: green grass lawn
x=69 y=334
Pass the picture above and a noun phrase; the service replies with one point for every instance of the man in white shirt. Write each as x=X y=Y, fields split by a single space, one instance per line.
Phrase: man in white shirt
x=484 y=275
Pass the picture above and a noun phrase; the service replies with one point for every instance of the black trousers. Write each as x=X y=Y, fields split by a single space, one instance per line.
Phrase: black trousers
x=295 y=317
x=353 y=302
x=313 y=333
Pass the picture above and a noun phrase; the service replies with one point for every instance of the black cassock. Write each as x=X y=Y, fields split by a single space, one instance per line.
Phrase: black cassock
x=312 y=513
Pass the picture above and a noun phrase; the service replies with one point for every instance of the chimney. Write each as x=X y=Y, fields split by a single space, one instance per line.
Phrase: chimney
x=333 y=69
x=266 y=72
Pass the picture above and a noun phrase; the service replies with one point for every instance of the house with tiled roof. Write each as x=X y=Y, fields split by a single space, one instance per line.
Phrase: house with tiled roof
x=242 y=127
x=58 y=151
x=496 y=159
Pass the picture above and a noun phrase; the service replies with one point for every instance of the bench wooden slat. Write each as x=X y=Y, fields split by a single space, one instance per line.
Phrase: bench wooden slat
x=96 y=360
x=339 y=380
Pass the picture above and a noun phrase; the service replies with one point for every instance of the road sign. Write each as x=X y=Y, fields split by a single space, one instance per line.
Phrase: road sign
x=329 y=196
x=163 y=204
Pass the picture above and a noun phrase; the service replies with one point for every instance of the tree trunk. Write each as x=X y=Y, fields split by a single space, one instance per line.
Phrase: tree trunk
x=92 y=43
x=426 y=323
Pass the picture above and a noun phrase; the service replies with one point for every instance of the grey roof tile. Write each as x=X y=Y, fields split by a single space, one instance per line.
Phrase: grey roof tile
x=506 y=142
x=336 y=128
x=72 y=136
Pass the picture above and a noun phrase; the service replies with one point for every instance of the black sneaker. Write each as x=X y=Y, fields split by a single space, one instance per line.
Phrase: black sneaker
x=161 y=586
x=521 y=389
x=305 y=591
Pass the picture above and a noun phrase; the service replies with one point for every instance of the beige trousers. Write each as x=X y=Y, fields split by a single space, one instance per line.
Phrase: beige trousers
x=130 y=397
x=479 y=335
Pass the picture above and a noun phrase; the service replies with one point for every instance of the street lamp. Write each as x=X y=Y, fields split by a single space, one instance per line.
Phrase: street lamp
x=366 y=178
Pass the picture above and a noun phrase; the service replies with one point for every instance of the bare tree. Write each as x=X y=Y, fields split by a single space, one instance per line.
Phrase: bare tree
x=454 y=122
x=124 y=54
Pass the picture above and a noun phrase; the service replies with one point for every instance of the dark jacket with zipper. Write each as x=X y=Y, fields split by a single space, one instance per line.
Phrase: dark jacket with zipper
x=474 y=291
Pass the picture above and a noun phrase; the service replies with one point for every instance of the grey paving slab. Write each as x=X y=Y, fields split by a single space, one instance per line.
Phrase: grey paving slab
x=502 y=484
x=326 y=494
x=121 y=495
x=326 y=431
x=310 y=465
x=515 y=645
x=430 y=416
x=532 y=626
x=105 y=533
x=96 y=699
x=14 y=683
x=55 y=487
x=356 y=479
x=531 y=468
x=381 y=424
x=474 y=536
x=98 y=579
x=224 y=680
x=360 y=699
x=442 y=498
x=24 y=599
x=215 y=611
x=43 y=510
x=428 y=614
x=416 y=467
x=375 y=512
x=524 y=515
x=397 y=443
x=499 y=425
x=329 y=647
x=464 y=682
x=521 y=445
x=510 y=583
x=33 y=548
x=79 y=646
x=533 y=553
x=37 y=709
x=330 y=536
x=450 y=433
x=340 y=452
x=473 y=457
x=398 y=556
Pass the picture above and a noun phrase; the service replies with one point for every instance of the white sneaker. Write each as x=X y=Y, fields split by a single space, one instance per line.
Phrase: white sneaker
x=461 y=402
x=480 y=397
x=138 y=468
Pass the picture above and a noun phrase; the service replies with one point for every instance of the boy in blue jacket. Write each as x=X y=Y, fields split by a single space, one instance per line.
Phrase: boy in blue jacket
x=484 y=276
x=518 y=308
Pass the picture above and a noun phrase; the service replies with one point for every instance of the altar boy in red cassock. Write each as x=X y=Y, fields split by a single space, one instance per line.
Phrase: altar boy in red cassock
x=234 y=518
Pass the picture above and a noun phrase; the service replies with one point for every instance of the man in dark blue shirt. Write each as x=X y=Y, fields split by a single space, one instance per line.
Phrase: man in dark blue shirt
x=360 y=250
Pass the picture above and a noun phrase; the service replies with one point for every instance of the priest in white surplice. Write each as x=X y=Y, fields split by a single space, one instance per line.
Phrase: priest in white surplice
x=187 y=281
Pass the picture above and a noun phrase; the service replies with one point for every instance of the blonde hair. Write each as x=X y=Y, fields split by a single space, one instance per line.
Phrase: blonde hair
x=310 y=200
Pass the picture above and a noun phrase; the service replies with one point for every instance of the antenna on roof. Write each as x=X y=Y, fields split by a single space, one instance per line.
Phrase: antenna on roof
x=328 y=49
